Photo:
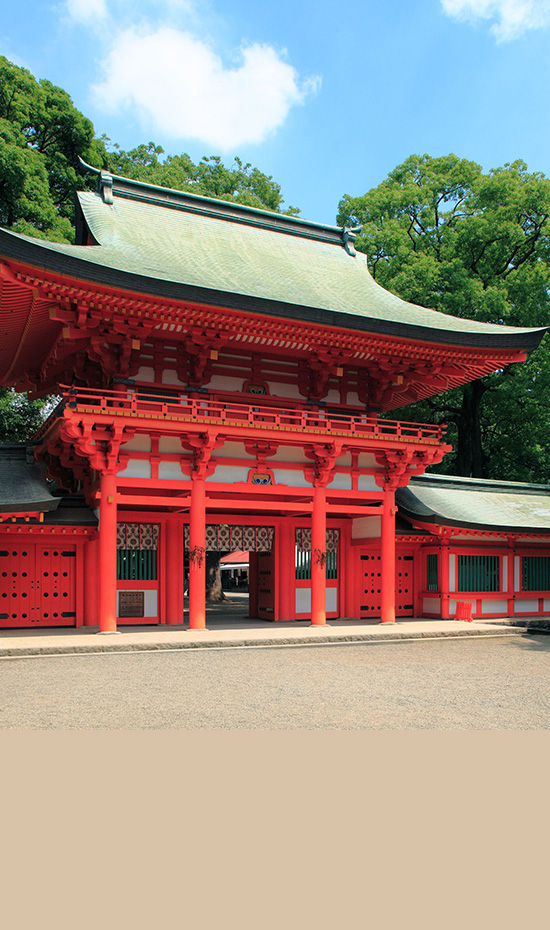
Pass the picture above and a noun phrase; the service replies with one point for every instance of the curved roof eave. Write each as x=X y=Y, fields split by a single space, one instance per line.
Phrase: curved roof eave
x=62 y=260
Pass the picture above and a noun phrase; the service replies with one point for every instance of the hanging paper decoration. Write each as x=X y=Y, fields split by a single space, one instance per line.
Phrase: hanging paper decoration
x=137 y=535
x=303 y=539
x=223 y=538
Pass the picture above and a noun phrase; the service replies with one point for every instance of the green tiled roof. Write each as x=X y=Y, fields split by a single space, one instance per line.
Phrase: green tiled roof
x=23 y=487
x=184 y=246
x=476 y=503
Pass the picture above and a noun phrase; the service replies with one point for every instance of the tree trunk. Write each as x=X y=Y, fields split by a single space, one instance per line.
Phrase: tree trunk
x=214 y=592
x=470 y=457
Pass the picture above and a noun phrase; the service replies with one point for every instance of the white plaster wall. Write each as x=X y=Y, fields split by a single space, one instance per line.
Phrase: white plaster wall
x=169 y=376
x=221 y=383
x=504 y=572
x=303 y=600
x=145 y=374
x=170 y=444
x=452 y=608
x=150 y=606
x=366 y=528
x=367 y=483
x=367 y=460
x=353 y=399
x=517 y=567
x=136 y=468
x=231 y=450
x=431 y=605
x=333 y=397
x=290 y=454
x=526 y=605
x=340 y=482
x=137 y=444
x=494 y=606
x=452 y=571
x=282 y=389
x=546 y=604
x=294 y=478
x=171 y=471
x=229 y=474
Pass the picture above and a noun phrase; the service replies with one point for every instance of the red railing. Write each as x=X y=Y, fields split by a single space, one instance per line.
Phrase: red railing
x=197 y=410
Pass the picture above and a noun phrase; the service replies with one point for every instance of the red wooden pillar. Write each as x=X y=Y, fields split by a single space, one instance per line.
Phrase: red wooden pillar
x=286 y=574
x=388 y=557
x=197 y=555
x=91 y=577
x=107 y=554
x=253 y=584
x=318 y=556
x=173 y=571
x=445 y=594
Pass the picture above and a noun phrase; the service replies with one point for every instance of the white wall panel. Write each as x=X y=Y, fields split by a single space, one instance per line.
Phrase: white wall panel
x=145 y=374
x=431 y=605
x=366 y=528
x=137 y=444
x=169 y=376
x=494 y=606
x=367 y=483
x=340 y=482
x=229 y=474
x=452 y=570
x=170 y=444
x=136 y=468
x=295 y=478
x=171 y=471
x=526 y=605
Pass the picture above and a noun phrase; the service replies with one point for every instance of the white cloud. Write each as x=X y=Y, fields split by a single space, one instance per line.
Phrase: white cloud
x=511 y=18
x=83 y=11
x=178 y=84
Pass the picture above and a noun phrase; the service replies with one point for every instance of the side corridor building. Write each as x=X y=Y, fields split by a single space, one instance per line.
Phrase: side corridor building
x=221 y=370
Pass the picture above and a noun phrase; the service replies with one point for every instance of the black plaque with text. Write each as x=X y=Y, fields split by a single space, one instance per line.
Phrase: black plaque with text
x=131 y=603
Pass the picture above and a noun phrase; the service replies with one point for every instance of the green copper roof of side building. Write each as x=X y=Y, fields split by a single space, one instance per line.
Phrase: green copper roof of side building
x=476 y=503
x=181 y=246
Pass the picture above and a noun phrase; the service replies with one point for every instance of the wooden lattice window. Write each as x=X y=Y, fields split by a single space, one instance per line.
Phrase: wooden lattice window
x=535 y=573
x=432 y=571
x=303 y=565
x=478 y=573
x=136 y=564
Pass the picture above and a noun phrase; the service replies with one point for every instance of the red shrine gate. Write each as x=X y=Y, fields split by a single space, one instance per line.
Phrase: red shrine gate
x=243 y=392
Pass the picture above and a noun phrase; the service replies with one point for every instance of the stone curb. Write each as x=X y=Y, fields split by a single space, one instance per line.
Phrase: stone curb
x=333 y=639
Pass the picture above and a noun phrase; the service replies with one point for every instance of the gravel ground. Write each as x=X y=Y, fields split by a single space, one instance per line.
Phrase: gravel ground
x=501 y=684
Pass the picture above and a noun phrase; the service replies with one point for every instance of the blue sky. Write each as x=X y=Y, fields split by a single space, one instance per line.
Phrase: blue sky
x=326 y=96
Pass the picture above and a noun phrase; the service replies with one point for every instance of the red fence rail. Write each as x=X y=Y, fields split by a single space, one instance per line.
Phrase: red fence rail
x=198 y=410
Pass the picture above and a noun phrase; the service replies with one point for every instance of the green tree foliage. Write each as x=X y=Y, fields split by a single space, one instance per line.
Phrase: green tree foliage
x=443 y=234
x=19 y=416
x=42 y=136
x=240 y=183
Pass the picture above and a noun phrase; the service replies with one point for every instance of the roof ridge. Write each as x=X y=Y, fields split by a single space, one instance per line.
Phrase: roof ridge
x=109 y=185
x=482 y=482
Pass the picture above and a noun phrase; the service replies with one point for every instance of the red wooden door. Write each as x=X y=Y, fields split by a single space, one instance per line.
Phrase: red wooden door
x=37 y=585
x=266 y=585
x=371 y=587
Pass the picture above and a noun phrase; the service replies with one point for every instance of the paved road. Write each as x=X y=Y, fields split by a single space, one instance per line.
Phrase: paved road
x=445 y=684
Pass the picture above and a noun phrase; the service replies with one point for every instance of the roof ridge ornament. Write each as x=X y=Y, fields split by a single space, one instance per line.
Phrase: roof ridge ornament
x=105 y=186
x=348 y=238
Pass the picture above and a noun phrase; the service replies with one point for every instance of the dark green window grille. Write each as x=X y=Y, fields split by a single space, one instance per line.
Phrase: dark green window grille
x=535 y=573
x=136 y=564
x=432 y=571
x=478 y=573
x=303 y=565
